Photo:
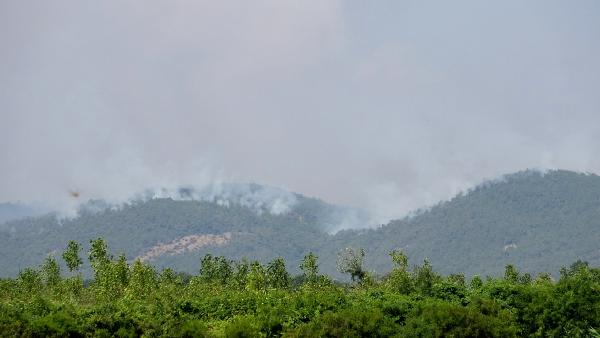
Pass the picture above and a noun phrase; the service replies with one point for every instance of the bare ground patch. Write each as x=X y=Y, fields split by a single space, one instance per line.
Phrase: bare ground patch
x=185 y=244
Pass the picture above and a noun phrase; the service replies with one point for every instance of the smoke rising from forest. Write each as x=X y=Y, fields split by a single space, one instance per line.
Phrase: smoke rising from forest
x=386 y=106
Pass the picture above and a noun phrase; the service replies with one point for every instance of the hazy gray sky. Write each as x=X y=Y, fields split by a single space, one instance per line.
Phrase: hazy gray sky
x=387 y=105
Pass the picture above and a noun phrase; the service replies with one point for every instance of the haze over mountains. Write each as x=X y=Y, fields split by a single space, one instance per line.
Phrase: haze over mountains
x=535 y=220
x=14 y=211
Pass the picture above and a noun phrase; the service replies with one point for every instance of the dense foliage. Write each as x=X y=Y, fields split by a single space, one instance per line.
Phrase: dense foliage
x=247 y=299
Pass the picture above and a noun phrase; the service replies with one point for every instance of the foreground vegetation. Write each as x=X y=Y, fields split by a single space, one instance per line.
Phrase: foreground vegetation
x=247 y=299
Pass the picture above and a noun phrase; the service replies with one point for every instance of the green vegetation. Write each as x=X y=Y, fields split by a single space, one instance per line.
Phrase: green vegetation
x=139 y=226
x=248 y=299
x=538 y=221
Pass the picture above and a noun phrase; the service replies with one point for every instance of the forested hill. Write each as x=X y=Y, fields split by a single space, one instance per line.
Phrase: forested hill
x=536 y=221
x=235 y=220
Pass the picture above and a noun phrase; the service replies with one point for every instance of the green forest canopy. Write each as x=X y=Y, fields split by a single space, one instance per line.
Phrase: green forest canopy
x=246 y=299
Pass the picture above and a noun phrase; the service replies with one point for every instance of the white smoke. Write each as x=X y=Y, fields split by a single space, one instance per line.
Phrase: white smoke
x=256 y=197
x=387 y=107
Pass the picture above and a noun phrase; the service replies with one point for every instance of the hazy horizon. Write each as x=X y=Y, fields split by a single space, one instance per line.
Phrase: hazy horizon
x=386 y=106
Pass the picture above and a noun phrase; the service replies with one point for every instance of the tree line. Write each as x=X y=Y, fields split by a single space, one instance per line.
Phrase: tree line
x=247 y=298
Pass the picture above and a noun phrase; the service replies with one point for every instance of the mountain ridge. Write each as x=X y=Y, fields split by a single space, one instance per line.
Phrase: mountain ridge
x=536 y=220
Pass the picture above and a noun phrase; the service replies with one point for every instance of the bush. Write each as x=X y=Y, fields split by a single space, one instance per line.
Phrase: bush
x=349 y=323
x=242 y=327
x=434 y=318
x=193 y=329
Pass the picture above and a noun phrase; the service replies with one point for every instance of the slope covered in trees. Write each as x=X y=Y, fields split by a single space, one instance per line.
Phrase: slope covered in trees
x=539 y=222
x=177 y=233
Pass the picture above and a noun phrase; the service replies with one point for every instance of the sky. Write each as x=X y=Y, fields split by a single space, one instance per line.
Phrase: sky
x=384 y=105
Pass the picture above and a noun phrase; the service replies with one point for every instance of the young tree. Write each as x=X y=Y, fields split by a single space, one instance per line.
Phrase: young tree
x=240 y=273
x=310 y=267
x=425 y=277
x=98 y=254
x=121 y=270
x=399 y=278
x=108 y=274
x=215 y=269
x=277 y=275
x=257 y=277
x=476 y=283
x=351 y=262
x=400 y=260
x=511 y=273
x=29 y=280
x=143 y=279
x=71 y=256
x=168 y=276
x=51 y=271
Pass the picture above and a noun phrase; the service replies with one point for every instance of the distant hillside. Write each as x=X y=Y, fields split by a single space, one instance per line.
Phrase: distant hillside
x=234 y=220
x=538 y=222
